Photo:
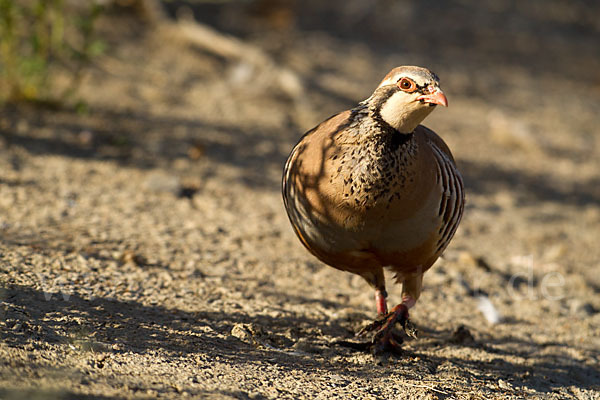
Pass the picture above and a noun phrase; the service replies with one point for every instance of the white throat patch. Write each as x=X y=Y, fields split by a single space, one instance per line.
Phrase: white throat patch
x=403 y=113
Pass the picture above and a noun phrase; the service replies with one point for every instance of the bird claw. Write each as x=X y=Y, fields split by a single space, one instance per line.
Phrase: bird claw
x=391 y=343
x=385 y=339
x=410 y=329
x=374 y=326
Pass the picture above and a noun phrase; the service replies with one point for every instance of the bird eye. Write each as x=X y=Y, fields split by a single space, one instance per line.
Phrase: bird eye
x=407 y=85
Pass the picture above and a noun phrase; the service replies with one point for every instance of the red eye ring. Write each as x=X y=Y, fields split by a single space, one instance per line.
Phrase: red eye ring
x=407 y=85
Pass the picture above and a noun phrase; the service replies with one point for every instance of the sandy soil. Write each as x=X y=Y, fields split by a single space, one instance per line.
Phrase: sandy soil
x=145 y=251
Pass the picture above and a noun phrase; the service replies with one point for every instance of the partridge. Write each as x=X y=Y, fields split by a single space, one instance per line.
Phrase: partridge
x=370 y=188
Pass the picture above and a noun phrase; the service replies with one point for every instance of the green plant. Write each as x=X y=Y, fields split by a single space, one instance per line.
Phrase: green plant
x=39 y=38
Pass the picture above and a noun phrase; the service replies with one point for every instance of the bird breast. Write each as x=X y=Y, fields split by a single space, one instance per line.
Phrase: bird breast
x=388 y=198
x=376 y=173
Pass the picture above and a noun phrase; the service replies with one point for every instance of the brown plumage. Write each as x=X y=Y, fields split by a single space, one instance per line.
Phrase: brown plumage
x=371 y=188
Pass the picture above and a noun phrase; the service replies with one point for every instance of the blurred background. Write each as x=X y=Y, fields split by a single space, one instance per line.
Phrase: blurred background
x=141 y=150
x=203 y=87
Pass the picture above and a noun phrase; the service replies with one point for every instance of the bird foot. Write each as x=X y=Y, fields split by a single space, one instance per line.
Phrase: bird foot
x=385 y=337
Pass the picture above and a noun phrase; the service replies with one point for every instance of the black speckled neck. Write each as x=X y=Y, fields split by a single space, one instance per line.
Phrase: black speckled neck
x=399 y=139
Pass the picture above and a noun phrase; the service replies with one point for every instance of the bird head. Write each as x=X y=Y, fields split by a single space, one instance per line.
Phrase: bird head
x=406 y=96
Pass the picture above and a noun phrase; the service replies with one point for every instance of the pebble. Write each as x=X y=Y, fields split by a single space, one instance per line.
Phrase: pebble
x=504 y=385
x=243 y=332
x=489 y=311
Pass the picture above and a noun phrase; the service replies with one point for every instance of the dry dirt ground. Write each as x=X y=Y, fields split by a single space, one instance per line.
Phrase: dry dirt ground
x=145 y=251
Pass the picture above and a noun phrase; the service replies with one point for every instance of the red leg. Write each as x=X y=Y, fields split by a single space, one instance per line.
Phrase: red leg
x=380 y=301
x=384 y=336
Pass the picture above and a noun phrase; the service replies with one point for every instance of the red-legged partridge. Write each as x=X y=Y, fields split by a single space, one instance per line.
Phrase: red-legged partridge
x=371 y=188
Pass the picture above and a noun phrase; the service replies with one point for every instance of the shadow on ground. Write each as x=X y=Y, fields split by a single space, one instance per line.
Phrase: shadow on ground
x=208 y=333
x=32 y=394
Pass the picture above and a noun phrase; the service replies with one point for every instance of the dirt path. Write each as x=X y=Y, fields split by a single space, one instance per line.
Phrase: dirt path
x=145 y=251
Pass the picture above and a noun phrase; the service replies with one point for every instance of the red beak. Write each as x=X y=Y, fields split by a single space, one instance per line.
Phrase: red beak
x=437 y=97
